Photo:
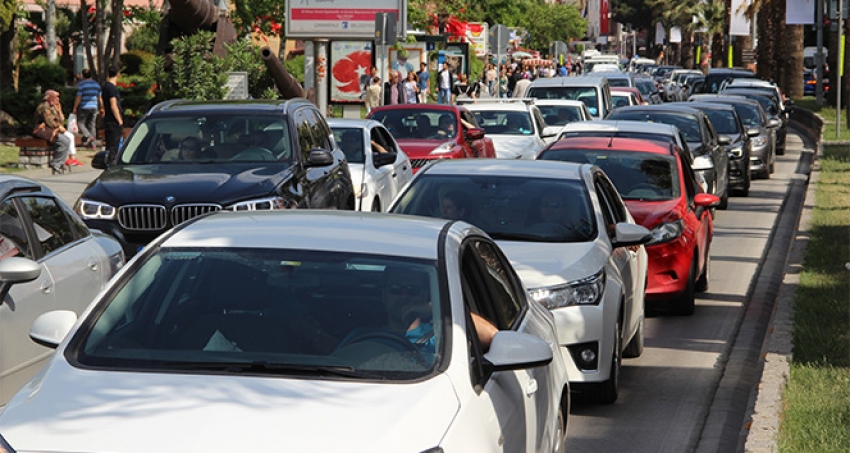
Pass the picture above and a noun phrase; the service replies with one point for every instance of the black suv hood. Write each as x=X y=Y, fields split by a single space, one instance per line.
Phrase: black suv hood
x=187 y=183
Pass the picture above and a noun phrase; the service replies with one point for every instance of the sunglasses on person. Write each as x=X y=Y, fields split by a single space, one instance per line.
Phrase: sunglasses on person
x=399 y=289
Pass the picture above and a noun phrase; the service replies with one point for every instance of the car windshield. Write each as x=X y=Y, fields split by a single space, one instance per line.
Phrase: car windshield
x=637 y=175
x=496 y=122
x=418 y=123
x=686 y=123
x=506 y=207
x=618 y=82
x=270 y=311
x=723 y=121
x=201 y=138
x=749 y=114
x=350 y=141
x=559 y=115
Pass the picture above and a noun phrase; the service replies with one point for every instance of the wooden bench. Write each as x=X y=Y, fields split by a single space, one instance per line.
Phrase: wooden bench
x=36 y=152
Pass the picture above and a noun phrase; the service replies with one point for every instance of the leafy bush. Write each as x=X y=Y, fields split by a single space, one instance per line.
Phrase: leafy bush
x=244 y=56
x=41 y=73
x=295 y=66
x=136 y=62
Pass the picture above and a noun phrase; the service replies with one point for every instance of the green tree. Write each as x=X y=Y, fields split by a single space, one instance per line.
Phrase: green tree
x=192 y=56
x=552 y=22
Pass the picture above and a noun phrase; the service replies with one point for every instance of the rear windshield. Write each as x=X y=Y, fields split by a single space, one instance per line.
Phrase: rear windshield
x=588 y=95
x=686 y=123
x=723 y=121
x=637 y=175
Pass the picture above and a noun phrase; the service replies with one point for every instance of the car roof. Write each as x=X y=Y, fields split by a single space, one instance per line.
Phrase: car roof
x=620 y=125
x=353 y=122
x=324 y=230
x=15 y=183
x=497 y=105
x=564 y=102
x=736 y=71
x=716 y=97
x=504 y=167
x=615 y=144
x=582 y=80
x=667 y=108
x=422 y=107
x=242 y=107
x=711 y=105
x=751 y=82
x=745 y=91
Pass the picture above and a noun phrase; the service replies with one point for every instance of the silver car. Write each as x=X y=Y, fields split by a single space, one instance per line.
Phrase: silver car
x=49 y=260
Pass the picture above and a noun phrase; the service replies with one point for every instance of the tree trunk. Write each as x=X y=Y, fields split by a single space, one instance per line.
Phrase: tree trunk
x=50 y=24
x=113 y=50
x=687 y=61
x=99 y=19
x=793 y=87
x=84 y=25
x=766 y=53
x=7 y=57
x=717 y=47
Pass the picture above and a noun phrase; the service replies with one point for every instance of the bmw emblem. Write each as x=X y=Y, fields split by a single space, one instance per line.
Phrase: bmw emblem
x=170 y=199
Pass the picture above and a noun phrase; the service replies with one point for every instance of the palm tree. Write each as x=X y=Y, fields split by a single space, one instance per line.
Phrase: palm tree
x=713 y=18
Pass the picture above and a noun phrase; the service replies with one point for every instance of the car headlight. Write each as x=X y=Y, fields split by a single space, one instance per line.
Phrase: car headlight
x=759 y=140
x=260 y=204
x=445 y=148
x=587 y=291
x=666 y=232
x=4 y=446
x=736 y=151
x=89 y=209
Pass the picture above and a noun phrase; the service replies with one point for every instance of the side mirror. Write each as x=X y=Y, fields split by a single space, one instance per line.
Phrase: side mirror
x=511 y=350
x=475 y=133
x=702 y=163
x=706 y=200
x=626 y=234
x=100 y=160
x=773 y=123
x=319 y=158
x=753 y=132
x=550 y=131
x=52 y=327
x=724 y=140
x=382 y=159
x=18 y=270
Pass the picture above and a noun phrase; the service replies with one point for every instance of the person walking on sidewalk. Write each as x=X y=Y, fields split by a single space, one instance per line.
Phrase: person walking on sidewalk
x=113 y=119
x=424 y=78
x=444 y=85
x=87 y=105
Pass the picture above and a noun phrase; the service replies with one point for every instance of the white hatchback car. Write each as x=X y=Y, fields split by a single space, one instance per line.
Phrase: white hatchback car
x=49 y=260
x=573 y=244
x=275 y=331
x=560 y=112
x=516 y=126
x=378 y=166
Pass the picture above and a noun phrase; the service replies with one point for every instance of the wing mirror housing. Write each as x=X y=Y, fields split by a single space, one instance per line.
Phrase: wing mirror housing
x=475 y=133
x=724 y=140
x=382 y=159
x=52 y=327
x=319 y=157
x=702 y=163
x=628 y=234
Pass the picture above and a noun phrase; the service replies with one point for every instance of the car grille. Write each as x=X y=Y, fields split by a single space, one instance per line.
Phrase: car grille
x=154 y=217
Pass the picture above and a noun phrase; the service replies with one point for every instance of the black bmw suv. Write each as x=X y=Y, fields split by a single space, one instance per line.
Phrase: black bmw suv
x=188 y=158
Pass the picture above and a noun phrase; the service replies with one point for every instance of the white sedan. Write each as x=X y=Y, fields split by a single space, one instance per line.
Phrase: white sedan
x=573 y=244
x=275 y=331
x=516 y=126
x=49 y=259
x=378 y=166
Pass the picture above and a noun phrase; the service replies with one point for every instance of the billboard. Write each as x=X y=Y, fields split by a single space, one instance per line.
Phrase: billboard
x=350 y=64
x=341 y=19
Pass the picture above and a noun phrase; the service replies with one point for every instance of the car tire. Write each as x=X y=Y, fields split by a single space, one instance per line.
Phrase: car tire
x=772 y=167
x=635 y=347
x=765 y=174
x=606 y=391
x=704 y=279
x=560 y=436
x=684 y=304
x=780 y=151
x=744 y=190
x=724 y=200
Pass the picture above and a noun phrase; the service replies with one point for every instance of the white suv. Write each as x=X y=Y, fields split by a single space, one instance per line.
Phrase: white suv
x=516 y=126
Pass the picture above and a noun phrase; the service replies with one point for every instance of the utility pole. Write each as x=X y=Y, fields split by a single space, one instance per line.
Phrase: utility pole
x=819 y=55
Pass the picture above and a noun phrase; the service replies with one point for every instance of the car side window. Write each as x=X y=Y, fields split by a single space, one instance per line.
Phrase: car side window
x=469 y=118
x=618 y=209
x=503 y=305
x=690 y=180
x=712 y=135
x=605 y=205
x=49 y=222
x=13 y=236
x=304 y=130
x=321 y=131
x=538 y=119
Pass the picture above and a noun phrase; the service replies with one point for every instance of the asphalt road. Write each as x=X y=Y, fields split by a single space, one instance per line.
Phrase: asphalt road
x=691 y=389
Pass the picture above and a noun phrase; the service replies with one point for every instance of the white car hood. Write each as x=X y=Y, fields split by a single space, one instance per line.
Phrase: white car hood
x=75 y=410
x=516 y=146
x=540 y=264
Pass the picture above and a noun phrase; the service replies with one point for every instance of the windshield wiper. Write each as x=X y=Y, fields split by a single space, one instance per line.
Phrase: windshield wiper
x=260 y=366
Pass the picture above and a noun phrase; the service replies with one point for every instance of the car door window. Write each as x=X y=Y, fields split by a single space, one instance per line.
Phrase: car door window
x=51 y=227
x=13 y=236
x=303 y=128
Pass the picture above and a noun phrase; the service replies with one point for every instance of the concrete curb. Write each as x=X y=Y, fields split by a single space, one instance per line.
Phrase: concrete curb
x=761 y=432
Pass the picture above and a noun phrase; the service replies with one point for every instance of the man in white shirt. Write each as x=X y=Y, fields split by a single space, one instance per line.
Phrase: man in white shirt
x=444 y=80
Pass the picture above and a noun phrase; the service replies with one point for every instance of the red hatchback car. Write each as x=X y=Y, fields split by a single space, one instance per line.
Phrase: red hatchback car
x=427 y=132
x=662 y=194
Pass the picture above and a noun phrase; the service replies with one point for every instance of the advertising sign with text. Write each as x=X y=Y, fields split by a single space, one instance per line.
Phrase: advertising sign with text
x=348 y=19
